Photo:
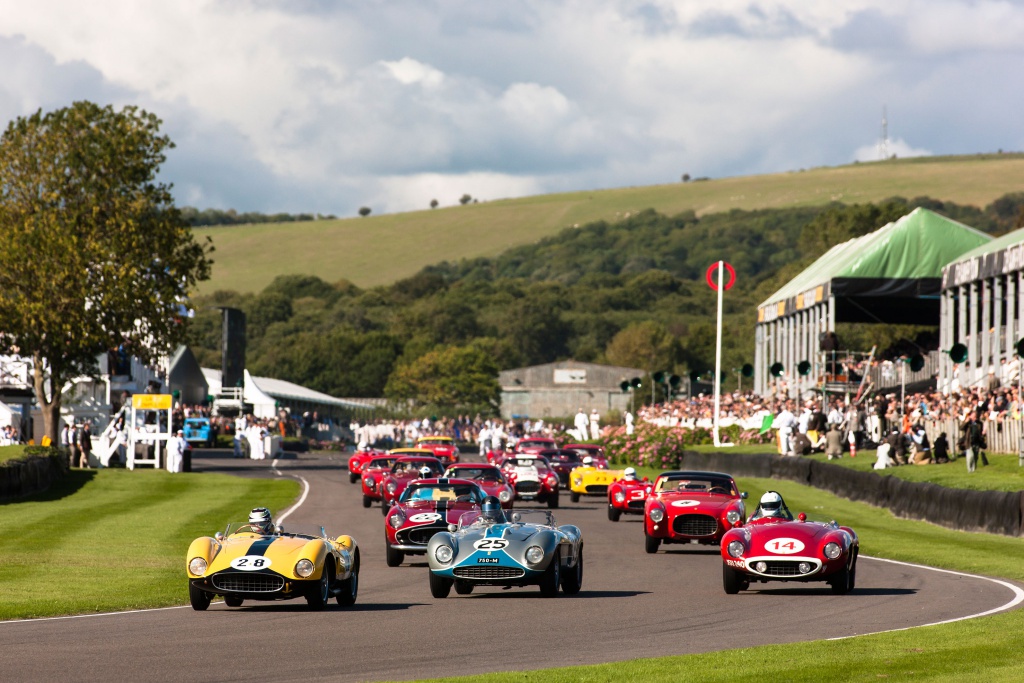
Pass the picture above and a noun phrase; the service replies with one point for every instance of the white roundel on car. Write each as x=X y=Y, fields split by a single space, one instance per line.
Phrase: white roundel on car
x=488 y=544
x=424 y=517
x=251 y=563
x=783 y=546
x=685 y=503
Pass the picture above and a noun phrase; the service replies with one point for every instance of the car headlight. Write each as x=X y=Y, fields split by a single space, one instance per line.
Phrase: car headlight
x=576 y=481
x=444 y=554
x=392 y=487
x=396 y=520
x=735 y=549
x=303 y=568
x=732 y=516
x=368 y=480
x=534 y=554
x=552 y=480
x=197 y=566
x=505 y=496
x=833 y=550
x=657 y=514
x=619 y=497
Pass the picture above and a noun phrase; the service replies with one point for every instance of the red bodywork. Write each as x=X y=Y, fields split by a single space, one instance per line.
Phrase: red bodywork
x=532 y=478
x=443 y=448
x=628 y=497
x=593 y=450
x=487 y=477
x=692 y=507
x=357 y=463
x=406 y=469
x=535 y=444
x=373 y=473
x=424 y=508
x=772 y=549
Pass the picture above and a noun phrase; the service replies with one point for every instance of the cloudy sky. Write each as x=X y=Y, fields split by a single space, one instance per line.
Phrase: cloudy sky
x=327 y=106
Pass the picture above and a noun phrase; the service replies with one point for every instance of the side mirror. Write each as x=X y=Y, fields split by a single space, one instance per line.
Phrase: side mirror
x=743 y=495
x=219 y=536
x=453 y=528
x=516 y=517
x=802 y=517
x=279 y=529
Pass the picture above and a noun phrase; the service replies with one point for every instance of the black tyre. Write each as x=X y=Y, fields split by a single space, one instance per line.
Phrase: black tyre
x=200 y=599
x=440 y=586
x=614 y=513
x=553 y=501
x=394 y=557
x=384 y=508
x=348 y=590
x=574 y=497
x=367 y=501
x=353 y=477
x=463 y=587
x=320 y=593
x=651 y=545
x=844 y=581
x=732 y=580
x=572 y=578
x=552 y=577
x=232 y=601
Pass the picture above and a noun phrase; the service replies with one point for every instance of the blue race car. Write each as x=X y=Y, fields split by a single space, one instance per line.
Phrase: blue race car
x=199 y=431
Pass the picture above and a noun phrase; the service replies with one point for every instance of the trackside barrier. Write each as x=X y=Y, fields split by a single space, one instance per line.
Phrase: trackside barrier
x=996 y=512
x=30 y=475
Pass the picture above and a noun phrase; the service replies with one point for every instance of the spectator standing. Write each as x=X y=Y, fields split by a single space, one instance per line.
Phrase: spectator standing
x=73 y=450
x=581 y=422
x=975 y=440
x=834 y=442
x=176 y=452
x=85 y=444
x=595 y=424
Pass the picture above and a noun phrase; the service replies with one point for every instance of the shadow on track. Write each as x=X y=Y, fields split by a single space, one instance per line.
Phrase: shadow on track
x=302 y=607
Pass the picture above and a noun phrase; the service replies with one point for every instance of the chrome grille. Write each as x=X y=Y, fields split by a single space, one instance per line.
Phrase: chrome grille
x=635 y=505
x=488 y=572
x=247 y=582
x=783 y=568
x=527 y=487
x=597 y=488
x=422 y=535
x=695 y=525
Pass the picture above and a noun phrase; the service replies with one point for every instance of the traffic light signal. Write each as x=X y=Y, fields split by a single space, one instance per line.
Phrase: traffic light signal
x=636 y=383
x=659 y=376
x=747 y=370
x=624 y=385
x=803 y=367
x=958 y=353
x=916 y=362
x=777 y=369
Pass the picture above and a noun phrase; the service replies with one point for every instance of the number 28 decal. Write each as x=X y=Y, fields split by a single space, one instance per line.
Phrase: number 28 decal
x=251 y=563
x=489 y=544
x=784 y=546
x=424 y=517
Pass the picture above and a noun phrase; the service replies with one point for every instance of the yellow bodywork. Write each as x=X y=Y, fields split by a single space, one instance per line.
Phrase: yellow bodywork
x=280 y=552
x=582 y=477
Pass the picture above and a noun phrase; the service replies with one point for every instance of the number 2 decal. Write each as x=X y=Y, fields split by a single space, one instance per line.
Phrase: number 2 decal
x=784 y=546
x=251 y=563
x=489 y=544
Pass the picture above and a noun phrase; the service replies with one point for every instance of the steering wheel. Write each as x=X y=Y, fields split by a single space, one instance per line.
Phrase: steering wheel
x=718 y=489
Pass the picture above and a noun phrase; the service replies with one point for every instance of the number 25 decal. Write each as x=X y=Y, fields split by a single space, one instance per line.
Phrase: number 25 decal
x=251 y=563
x=490 y=544
x=784 y=546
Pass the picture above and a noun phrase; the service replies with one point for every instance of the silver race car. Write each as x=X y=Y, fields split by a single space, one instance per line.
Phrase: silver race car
x=493 y=547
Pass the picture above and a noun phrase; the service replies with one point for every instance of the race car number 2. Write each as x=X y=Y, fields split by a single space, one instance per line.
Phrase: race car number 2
x=784 y=546
x=424 y=517
x=251 y=563
x=490 y=544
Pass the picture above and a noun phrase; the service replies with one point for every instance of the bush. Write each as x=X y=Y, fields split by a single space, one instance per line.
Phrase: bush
x=662 y=447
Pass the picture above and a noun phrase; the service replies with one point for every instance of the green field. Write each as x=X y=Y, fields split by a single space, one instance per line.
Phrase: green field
x=114 y=539
x=12 y=452
x=381 y=249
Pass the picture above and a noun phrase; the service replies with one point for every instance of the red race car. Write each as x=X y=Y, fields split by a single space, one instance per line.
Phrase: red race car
x=562 y=461
x=773 y=546
x=358 y=461
x=425 y=507
x=535 y=444
x=373 y=474
x=487 y=477
x=406 y=469
x=600 y=460
x=532 y=478
x=628 y=495
x=443 y=447
x=692 y=507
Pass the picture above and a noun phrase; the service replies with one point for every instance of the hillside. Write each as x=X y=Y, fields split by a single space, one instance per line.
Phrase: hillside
x=379 y=250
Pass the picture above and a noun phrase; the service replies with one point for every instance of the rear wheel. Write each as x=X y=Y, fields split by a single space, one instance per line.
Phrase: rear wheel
x=552 y=577
x=572 y=579
x=553 y=500
x=614 y=513
x=440 y=586
x=394 y=557
x=200 y=599
x=463 y=587
x=574 y=497
x=232 y=601
x=367 y=501
x=732 y=580
x=319 y=595
x=348 y=589
x=651 y=544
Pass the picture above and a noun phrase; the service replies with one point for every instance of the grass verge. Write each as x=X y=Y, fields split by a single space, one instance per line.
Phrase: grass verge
x=113 y=539
x=12 y=452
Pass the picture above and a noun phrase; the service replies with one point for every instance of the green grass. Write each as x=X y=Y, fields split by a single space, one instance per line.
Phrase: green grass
x=978 y=650
x=378 y=250
x=1003 y=472
x=115 y=539
x=12 y=452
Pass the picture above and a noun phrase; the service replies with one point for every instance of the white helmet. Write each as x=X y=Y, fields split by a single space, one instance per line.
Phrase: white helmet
x=771 y=504
x=588 y=460
x=425 y=472
x=629 y=473
x=260 y=519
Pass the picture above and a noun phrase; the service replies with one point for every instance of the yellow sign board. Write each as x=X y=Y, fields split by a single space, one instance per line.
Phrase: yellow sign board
x=151 y=401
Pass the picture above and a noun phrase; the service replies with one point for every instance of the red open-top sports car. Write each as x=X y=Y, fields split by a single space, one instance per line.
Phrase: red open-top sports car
x=487 y=477
x=532 y=478
x=535 y=444
x=406 y=469
x=357 y=463
x=443 y=448
x=773 y=546
x=600 y=460
x=628 y=496
x=425 y=507
x=373 y=475
x=691 y=507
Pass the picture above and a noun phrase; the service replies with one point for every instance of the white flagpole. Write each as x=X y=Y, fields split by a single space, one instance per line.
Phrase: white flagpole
x=718 y=358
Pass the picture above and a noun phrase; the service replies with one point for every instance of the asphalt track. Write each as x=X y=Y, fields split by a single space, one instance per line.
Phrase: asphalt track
x=632 y=605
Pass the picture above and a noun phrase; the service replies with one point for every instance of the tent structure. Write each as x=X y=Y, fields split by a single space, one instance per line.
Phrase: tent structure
x=982 y=307
x=892 y=275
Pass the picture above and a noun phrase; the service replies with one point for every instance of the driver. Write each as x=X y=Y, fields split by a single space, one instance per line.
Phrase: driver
x=772 y=505
x=589 y=462
x=629 y=474
x=425 y=472
x=261 y=522
x=491 y=512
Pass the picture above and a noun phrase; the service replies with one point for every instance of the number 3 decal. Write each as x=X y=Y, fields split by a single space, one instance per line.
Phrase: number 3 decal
x=251 y=563
x=784 y=546
x=489 y=544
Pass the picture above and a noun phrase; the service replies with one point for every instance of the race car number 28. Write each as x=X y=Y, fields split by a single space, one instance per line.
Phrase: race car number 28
x=784 y=546
x=251 y=563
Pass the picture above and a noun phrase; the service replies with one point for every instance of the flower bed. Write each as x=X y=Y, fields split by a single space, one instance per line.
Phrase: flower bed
x=662 y=447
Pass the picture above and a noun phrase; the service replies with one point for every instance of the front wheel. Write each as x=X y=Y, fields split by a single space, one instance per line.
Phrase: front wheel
x=348 y=590
x=353 y=477
x=574 y=497
x=572 y=580
x=844 y=581
x=552 y=577
x=394 y=557
x=321 y=593
x=463 y=587
x=732 y=580
x=651 y=544
x=552 y=501
x=440 y=586
x=384 y=508
x=200 y=599
x=614 y=513
x=367 y=501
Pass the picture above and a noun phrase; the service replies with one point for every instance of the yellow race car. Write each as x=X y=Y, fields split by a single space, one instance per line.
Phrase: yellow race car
x=262 y=562
x=588 y=480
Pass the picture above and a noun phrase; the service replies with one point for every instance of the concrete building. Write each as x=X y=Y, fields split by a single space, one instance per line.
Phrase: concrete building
x=559 y=390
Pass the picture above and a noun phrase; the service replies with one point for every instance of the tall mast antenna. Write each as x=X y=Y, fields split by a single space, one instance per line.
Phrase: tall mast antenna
x=883 y=143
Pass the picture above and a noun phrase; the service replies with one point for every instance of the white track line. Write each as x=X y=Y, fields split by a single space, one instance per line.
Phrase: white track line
x=1018 y=597
x=284 y=515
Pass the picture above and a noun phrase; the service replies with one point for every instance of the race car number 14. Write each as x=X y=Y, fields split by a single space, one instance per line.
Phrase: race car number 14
x=251 y=563
x=784 y=546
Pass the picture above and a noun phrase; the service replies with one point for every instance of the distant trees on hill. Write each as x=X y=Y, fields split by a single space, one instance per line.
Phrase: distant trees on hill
x=208 y=217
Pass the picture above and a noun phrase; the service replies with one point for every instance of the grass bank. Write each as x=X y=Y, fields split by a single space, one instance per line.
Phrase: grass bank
x=12 y=452
x=114 y=539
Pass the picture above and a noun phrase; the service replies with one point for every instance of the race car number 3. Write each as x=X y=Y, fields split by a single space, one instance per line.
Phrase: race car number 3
x=251 y=563
x=784 y=546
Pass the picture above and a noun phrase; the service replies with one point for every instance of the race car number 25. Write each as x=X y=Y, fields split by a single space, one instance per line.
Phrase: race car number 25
x=251 y=563
x=784 y=546
x=490 y=544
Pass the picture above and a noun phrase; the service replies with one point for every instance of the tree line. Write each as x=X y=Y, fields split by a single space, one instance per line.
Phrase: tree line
x=211 y=217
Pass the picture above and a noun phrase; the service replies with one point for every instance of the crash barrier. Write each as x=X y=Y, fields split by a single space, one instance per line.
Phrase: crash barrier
x=996 y=512
x=31 y=474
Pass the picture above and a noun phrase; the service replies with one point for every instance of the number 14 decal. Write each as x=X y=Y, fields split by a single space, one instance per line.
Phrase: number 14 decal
x=784 y=546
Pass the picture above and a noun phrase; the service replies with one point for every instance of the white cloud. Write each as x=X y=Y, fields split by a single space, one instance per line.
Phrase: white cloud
x=898 y=148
